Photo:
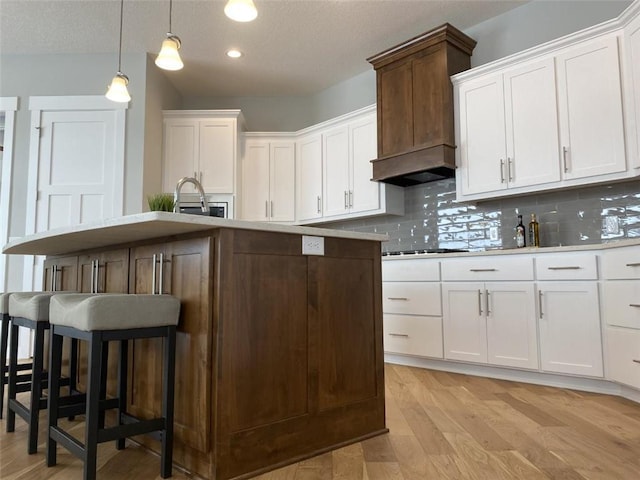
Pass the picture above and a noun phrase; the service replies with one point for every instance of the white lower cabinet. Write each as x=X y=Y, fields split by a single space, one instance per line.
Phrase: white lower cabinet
x=623 y=355
x=490 y=323
x=569 y=319
x=413 y=335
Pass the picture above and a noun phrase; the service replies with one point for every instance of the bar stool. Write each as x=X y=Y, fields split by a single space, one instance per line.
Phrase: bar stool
x=4 y=366
x=98 y=319
x=30 y=310
x=4 y=338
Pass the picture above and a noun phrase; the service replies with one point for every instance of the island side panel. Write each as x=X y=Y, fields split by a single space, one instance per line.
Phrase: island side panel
x=278 y=401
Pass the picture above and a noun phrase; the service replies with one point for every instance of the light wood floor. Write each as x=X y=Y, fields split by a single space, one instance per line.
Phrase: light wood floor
x=442 y=426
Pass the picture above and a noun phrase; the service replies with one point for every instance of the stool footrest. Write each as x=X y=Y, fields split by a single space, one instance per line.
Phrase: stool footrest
x=22 y=410
x=140 y=427
x=68 y=441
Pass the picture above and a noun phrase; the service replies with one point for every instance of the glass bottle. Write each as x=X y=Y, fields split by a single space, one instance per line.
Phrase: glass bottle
x=520 y=233
x=534 y=232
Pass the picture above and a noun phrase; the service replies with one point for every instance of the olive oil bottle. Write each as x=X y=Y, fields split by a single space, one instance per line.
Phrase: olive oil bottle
x=534 y=232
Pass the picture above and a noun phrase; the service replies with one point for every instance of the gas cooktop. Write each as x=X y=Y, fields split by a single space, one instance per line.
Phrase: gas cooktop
x=424 y=250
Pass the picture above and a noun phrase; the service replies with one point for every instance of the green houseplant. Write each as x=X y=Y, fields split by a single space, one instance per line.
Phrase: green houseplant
x=162 y=202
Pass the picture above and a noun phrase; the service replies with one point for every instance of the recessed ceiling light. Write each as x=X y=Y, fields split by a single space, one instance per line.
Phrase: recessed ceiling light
x=234 y=53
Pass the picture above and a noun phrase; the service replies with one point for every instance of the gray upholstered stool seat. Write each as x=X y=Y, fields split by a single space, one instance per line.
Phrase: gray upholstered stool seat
x=29 y=310
x=99 y=319
x=4 y=303
x=5 y=324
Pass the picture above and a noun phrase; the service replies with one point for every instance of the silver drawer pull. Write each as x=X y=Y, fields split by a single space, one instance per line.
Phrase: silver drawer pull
x=403 y=335
x=637 y=264
x=564 y=268
x=397 y=298
x=634 y=304
x=635 y=361
x=483 y=269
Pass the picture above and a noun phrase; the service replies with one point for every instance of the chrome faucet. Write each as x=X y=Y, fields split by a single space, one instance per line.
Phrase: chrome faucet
x=176 y=194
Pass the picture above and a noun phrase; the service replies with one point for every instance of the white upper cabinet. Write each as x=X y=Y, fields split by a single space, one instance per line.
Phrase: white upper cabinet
x=309 y=177
x=508 y=130
x=334 y=171
x=268 y=176
x=201 y=144
x=552 y=116
x=590 y=104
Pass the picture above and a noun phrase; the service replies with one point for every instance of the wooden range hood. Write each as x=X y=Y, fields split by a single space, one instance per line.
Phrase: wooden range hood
x=416 y=141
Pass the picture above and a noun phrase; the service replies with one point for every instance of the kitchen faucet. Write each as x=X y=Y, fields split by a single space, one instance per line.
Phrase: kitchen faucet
x=176 y=194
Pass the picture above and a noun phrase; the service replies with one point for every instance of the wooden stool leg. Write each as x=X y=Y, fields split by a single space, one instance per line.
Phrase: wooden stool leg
x=168 y=391
x=13 y=377
x=36 y=387
x=4 y=337
x=122 y=385
x=55 y=369
x=93 y=405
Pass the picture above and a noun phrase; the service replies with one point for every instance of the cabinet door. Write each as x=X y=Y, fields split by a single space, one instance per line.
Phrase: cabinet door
x=395 y=100
x=531 y=125
x=413 y=335
x=590 y=108
x=217 y=155
x=180 y=152
x=482 y=135
x=623 y=355
x=282 y=182
x=106 y=272
x=335 y=146
x=464 y=324
x=632 y=89
x=309 y=178
x=255 y=181
x=61 y=274
x=186 y=273
x=512 y=338
x=569 y=319
x=364 y=193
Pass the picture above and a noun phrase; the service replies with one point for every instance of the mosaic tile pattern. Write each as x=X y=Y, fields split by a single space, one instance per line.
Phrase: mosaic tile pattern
x=433 y=218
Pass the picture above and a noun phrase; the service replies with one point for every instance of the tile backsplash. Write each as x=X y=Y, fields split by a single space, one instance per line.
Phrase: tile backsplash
x=433 y=218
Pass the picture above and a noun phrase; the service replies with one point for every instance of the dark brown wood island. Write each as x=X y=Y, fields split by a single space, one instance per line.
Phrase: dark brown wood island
x=279 y=353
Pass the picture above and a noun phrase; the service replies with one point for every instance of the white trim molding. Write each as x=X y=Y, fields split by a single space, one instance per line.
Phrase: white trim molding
x=8 y=105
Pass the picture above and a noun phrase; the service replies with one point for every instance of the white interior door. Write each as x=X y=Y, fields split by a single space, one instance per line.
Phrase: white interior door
x=76 y=166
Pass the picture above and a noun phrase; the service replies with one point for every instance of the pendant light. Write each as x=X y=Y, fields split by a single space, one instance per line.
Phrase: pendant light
x=169 y=58
x=241 y=10
x=117 y=91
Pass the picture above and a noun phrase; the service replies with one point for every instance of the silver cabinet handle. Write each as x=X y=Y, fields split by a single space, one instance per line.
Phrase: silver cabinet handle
x=634 y=305
x=569 y=267
x=350 y=198
x=501 y=171
x=94 y=276
x=488 y=309
x=54 y=279
x=319 y=204
x=398 y=298
x=635 y=361
x=271 y=209
x=483 y=269
x=404 y=335
x=633 y=264
x=480 y=302
x=540 y=302
x=266 y=208
x=509 y=168
x=564 y=159
x=346 y=199
x=161 y=286
x=153 y=274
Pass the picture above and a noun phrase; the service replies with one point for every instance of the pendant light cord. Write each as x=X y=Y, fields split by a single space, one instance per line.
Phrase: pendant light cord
x=170 y=6
x=120 y=46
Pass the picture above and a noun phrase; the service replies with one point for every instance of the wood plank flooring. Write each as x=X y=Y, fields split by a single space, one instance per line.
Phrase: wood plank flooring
x=442 y=426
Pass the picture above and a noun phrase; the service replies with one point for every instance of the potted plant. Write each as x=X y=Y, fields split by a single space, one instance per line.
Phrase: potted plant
x=161 y=202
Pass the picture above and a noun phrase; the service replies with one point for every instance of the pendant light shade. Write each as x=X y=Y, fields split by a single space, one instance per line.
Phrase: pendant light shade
x=241 y=10
x=169 y=58
x=117 y=91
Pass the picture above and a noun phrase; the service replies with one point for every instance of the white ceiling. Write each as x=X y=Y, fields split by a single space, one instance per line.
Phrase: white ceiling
x=294 y=47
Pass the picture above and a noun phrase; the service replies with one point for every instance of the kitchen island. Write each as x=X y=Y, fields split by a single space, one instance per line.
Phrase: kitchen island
x=279 y=349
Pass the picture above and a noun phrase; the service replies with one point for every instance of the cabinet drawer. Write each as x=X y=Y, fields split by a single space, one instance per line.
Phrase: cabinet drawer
x=508 y=267
x=567 y=267
x=413 y=298
x=622 y=303
x=413 y=335
x=621 y=263
x=623 y=353
x=411 y=270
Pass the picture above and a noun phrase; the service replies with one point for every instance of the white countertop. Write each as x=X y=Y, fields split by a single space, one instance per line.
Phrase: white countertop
x=527 y=250
x=144 y=226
